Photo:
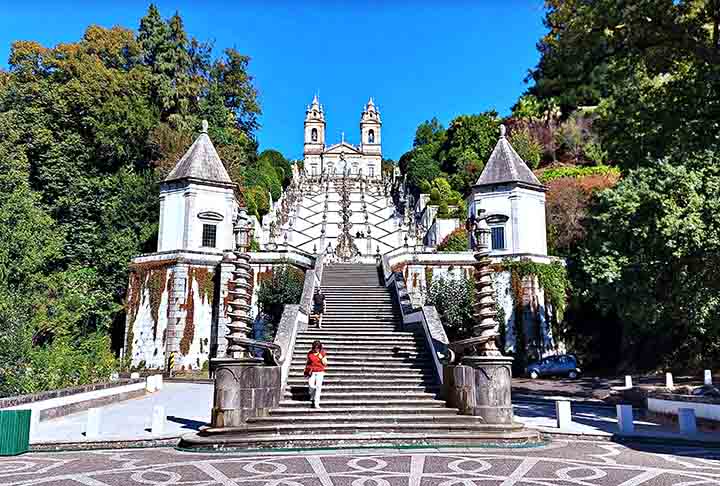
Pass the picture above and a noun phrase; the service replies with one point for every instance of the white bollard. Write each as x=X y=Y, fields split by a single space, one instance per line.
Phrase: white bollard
x=708 y=378
x=150 y=384
x=34 y=422
x=159 y=382
x=628 y=381
x=625 y=419
x=669 y=381
x=135 y=376
x=93 y=423
x=563 y=414
x=158 y=420
x=686 y=418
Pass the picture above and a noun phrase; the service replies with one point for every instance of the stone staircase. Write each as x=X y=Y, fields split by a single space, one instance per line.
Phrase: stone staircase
x=381 y=387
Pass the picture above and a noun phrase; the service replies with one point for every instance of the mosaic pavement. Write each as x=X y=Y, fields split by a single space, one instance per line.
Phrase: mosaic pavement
x=560 y=463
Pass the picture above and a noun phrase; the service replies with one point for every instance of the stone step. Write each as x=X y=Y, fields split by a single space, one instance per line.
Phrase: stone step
x=342 y=390
x=351 y=361
x=303 y=340
x=373 y=411
x=373 y=355
x=340 y=418
x=368 y=402
x=354 y=373
x=301 y=394
x=241 y=441
x=372 y=427
x=375 y=359
x=366 y=383
x=329 y=333
x=365 y=366
x=340 y=326
x=360 y=348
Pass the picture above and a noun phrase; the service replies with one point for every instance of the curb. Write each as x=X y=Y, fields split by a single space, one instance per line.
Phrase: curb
x=104 y=445
x=547 y=435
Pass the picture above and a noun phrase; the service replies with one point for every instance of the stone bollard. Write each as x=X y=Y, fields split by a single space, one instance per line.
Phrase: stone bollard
x=93 y=423
x=135 y=376
x=563 y=414
x=669 y=381
x=686 y=419
x=158 y=420
x=159 y=382
x=628 y=381
x=708 y=378
x=625 y=419
x=150 y=384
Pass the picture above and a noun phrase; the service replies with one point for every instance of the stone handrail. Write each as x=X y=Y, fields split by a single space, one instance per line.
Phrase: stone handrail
x=427 y=319
x=437 y=339
x=295 y=318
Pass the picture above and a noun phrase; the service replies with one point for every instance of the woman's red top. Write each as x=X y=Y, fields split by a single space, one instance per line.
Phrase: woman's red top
x=314 y=364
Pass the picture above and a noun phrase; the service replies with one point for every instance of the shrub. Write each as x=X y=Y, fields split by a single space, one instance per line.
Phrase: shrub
x=529 y=149
x=453 y=298
x=443 y=210
x=285 y=286
x=65 y=363
x=455 y=241
x=551 y=174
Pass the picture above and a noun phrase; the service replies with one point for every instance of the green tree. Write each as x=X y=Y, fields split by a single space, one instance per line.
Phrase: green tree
x=529 y=149
x=429 y=131
x=651 y=258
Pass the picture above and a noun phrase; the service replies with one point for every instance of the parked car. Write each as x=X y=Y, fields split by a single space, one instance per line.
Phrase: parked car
x=560 y=365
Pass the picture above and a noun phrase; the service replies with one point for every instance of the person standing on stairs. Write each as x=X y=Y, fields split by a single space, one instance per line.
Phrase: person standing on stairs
x=319 y=307
x=315 y=371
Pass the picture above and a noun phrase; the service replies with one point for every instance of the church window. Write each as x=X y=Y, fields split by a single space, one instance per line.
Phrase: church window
x=209 y=235
x=314 y=135
x=371 y=171
x=497 y=237
x=371 y=136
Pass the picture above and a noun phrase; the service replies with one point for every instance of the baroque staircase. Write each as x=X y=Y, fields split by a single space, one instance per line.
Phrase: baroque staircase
x=381 y=387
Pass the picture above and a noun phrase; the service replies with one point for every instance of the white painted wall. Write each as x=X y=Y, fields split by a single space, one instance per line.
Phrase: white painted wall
x=525 y=230
x=180 y=208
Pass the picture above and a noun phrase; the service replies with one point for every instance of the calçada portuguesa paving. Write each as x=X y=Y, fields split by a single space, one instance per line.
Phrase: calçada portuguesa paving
x=557 y=463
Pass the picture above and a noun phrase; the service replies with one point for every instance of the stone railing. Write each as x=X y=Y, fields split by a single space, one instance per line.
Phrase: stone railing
x=426 y=319
x=295 y=317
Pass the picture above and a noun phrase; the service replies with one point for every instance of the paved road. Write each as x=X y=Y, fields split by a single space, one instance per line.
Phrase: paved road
x=559 y=463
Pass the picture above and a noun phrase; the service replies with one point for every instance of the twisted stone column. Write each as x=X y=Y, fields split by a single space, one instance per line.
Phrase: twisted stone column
x=240 y=326
x=486 y=327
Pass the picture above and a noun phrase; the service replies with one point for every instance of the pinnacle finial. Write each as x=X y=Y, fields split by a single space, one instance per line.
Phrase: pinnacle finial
x=204 y=126
x=502 y=131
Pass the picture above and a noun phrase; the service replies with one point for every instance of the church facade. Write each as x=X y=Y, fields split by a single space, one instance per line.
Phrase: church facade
x=365 y=158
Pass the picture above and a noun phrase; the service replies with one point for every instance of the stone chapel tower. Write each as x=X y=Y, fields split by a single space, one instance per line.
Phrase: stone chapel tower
x=509 y=192
x=314 y=133
x=370 y=125
x=197 y=202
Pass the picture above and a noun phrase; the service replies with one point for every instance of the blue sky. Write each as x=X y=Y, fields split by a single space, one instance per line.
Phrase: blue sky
x=417 y=59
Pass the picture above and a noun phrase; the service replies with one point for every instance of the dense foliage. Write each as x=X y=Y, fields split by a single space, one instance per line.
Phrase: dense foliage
x=453 y=297
x=283 y=286
x=88 y=129
x=621 y=121
x=458 y=240
x=643 y=253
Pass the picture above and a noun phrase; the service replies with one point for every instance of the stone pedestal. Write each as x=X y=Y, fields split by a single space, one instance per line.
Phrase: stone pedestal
x=244 y=388
x=481 y=386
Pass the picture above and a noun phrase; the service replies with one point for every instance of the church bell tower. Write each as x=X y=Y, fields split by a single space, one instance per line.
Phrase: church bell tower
x=370 y=125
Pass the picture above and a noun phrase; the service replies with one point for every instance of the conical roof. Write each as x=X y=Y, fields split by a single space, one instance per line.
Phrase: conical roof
x=505 y=165
x=201 y=162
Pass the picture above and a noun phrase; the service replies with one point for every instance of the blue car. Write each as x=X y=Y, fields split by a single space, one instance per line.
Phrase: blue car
x=560 y=365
